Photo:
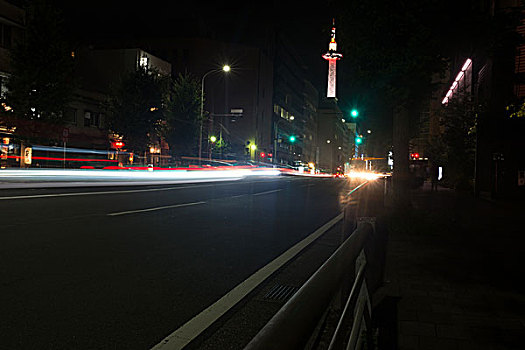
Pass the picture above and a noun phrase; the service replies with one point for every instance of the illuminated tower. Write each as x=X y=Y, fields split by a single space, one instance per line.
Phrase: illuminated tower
x=332 y=56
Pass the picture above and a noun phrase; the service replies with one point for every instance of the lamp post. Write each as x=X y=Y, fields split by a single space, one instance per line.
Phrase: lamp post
x=226 y=69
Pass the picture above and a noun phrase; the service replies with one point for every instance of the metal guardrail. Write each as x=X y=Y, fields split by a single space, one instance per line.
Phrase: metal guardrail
x=294 y=323
x=360 y=302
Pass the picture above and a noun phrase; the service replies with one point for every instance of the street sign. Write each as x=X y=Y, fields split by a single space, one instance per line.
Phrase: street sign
x=28 y=155
x=65 y=134
x=117 y=144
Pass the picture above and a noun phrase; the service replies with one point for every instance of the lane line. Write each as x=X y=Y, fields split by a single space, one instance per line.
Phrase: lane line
x=98 y=192
x=117 y=192
x=187 y=204
x=266 y=192
x=358 y=187
x=184 y=204
x=191 y=329
x=154 y=209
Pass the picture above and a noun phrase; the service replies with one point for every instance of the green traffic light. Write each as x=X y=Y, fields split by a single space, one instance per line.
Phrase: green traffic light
x=358 y=140
x=354 y=113
x=292 y=138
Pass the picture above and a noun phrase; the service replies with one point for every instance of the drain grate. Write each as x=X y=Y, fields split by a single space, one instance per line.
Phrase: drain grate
x=280 y=292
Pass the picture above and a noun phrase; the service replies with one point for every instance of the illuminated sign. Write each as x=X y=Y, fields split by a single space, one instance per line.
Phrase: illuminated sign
x=28 y=155
x=456 y=82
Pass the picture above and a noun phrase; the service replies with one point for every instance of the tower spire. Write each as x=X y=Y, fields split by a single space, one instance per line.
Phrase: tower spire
x=332 y=56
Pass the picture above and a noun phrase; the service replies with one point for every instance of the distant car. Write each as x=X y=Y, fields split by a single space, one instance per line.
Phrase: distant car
x=339 y=175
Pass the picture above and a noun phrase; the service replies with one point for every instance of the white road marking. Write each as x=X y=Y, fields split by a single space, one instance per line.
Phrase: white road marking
x=237 y=196
x=191 y=329
x=99 y=192
x=184 y=204
x=116 y=192
x=357 y=187
x=267 y=192
x=154 y=209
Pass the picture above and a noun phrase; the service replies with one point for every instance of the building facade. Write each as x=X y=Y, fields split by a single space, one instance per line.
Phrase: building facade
x=334 y=138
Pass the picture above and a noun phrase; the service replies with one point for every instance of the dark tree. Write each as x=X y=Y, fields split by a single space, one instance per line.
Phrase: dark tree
x=393 y=49
x=182 y=115
x=42 y=66
x=136 y=107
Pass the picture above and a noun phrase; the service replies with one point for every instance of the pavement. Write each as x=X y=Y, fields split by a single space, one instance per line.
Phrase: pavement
x=122 y=268
x=454 y=274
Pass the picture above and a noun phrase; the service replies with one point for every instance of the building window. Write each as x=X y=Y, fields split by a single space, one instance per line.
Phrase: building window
x=95 y=118
x=100 y=120
x=87 y=118
x=3 y=87
x=92 y=119
x=70 y=115
x=143 y=63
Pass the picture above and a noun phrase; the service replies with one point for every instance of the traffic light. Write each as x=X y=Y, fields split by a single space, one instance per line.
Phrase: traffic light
x=358 y=140
x=354 y=113
x=292 y=138
x=263 y=155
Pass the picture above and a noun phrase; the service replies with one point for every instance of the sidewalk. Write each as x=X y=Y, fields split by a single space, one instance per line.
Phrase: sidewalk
x=456 y=265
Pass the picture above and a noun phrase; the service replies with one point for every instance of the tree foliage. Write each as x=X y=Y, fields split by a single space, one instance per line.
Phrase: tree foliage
x=459 y=120
x=182 y=117
x=42 y=66
x=391 y=48
x=137 y=107
x=144 y=106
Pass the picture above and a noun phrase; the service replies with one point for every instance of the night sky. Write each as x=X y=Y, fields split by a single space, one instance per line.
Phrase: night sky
x=305 y=24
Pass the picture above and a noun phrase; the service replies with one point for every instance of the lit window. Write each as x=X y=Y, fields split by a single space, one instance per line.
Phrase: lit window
x=87 y=118
x=144 y=62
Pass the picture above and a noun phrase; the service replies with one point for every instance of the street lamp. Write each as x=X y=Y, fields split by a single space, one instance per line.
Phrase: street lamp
x=225 y=69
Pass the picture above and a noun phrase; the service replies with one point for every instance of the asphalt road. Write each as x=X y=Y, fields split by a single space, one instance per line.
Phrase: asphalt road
x=123 y=267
